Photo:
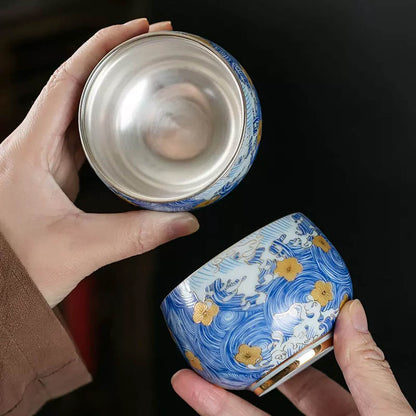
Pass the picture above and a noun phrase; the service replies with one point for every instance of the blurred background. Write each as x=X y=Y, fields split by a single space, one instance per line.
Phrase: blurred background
x=337 y=84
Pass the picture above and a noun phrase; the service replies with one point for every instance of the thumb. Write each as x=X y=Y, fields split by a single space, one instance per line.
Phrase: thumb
x=106 y=238
x=367 y=373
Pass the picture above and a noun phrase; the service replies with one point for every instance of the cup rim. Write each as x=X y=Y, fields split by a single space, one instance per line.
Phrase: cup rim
x=228 y=248
x=85 y=140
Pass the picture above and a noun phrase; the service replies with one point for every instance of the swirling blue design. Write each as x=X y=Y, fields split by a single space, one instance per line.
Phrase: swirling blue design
x=256 y=306
x=243 y=160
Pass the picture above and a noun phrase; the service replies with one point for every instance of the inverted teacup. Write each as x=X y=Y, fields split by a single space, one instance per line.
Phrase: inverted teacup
x=262 y=310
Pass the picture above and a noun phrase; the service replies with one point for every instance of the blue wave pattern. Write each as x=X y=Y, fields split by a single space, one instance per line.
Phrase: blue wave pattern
x=243 y=161
x=250 y=308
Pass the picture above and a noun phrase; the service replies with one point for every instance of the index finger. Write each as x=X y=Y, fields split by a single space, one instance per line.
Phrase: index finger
x=314 y=393
x=209 y=400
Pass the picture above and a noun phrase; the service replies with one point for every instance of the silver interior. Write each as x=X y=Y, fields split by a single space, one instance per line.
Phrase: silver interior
x=161 y=117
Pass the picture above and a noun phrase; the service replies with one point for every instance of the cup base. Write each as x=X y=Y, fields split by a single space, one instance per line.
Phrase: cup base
x=293 y=365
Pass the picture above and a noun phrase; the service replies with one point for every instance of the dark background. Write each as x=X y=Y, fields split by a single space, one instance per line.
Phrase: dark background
x=337 y=84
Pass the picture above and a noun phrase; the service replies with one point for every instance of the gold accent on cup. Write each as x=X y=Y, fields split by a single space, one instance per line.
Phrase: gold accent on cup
x=305 y=355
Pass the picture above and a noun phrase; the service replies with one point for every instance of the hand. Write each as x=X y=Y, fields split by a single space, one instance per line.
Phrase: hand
x=58 y=243
x=374 y=390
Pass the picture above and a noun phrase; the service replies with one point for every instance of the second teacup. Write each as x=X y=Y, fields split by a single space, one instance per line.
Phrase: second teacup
x=262 y=310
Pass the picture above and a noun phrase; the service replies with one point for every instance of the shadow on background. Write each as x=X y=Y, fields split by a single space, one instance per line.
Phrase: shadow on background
x=337 y=86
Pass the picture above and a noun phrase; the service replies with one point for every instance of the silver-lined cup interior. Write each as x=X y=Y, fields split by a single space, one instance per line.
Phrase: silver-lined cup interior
x=161 y=117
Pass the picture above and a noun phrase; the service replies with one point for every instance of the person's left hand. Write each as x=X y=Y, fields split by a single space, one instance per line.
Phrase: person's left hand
x=58 y=243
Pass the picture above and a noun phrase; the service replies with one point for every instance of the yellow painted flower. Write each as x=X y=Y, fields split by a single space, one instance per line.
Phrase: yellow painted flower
x=322 y=292
x=204 y=312
x=288 y=268
x=259 y=132
x=207 y=202
x=194 y=361
x=343 y=301
x=320 y=242
x=248 y=355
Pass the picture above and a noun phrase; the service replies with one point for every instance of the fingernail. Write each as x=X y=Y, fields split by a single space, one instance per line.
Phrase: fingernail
x=183 y=224
x=161 y=25
x=358 y=316
x=174 y=376
x=136 y=21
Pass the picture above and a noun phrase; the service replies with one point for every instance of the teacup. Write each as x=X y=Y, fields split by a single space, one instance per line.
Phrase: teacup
x=262 y=310
x=170 y=121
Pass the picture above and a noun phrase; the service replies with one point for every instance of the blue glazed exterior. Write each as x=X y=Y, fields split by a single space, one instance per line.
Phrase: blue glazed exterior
x=246 y=154
x=259 y=302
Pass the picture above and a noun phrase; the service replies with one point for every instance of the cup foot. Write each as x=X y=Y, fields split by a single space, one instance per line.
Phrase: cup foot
x=294 y=365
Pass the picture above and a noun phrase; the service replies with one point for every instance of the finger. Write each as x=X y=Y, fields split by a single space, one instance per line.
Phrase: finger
x=74 y=145
x=56 y=105
x=157 y=27
x=313 y=393
x=367 y=373
x=106 y=238
x=209 y=400
x=64 y=168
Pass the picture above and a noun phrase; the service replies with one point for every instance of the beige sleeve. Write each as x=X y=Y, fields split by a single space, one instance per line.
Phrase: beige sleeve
x=38 y=360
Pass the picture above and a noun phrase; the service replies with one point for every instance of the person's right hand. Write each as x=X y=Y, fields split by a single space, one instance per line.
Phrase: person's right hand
x=374 y=390
x=58 y=243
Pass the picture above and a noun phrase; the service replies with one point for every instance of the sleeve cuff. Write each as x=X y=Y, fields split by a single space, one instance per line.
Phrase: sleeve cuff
x=38 y=359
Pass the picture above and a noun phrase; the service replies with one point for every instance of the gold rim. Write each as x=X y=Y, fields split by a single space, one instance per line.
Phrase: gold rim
x=305 y=356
